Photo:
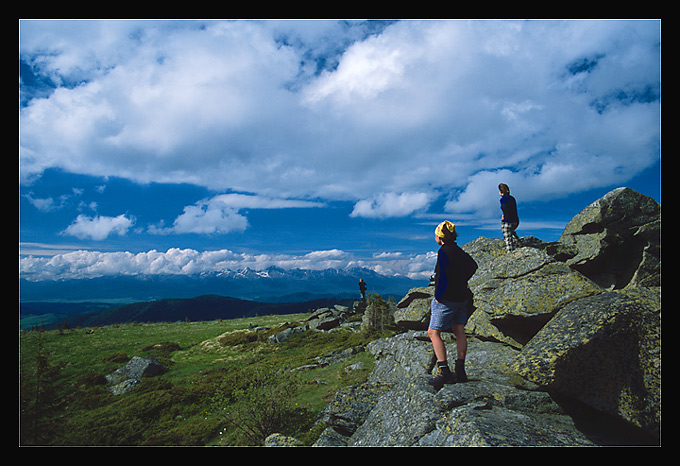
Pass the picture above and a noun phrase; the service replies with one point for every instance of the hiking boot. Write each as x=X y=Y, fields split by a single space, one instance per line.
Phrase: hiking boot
x=444 y=376
x=459 y=371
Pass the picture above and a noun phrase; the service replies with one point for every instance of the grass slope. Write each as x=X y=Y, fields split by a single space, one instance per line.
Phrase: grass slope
x=197 y=402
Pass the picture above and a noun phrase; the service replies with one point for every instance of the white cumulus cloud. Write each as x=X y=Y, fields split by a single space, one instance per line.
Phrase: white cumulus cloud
x=205 y=218
x=388 y=205
x=221 y=214
x=98 y=227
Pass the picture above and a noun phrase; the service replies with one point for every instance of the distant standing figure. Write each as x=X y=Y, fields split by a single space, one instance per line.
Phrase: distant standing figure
x=510 y=218
x=362 y=288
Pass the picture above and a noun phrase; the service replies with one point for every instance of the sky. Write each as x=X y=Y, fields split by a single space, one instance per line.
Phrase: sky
x=189 y=146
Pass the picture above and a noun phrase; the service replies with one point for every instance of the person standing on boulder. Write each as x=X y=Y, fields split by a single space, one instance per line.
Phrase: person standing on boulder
x=509 y=219
x=449 y=309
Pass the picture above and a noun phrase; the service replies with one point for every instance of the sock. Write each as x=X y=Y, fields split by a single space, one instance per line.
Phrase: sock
x=443 y=366
x=460 y=370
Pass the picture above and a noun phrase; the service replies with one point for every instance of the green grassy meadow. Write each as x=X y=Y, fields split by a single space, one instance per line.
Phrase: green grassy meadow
x=231 y=391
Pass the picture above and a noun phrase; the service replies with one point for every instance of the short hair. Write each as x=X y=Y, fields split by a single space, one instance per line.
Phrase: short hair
x=504 y=188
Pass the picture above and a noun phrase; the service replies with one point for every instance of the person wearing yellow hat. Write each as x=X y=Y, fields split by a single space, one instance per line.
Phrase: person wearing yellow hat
x=445 y=229
x=449 y=310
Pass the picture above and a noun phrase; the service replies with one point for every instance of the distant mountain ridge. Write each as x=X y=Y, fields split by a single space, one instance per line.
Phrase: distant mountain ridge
x=200 y=308
x=271 y=285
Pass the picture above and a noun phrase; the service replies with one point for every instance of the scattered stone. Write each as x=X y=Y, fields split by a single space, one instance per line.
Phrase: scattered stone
x=280 y=440
x=286 y=334
x=128 y=377
x=354 y=367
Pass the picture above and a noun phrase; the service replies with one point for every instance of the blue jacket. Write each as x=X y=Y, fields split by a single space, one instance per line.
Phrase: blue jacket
x=454 y=269
x=509 y=208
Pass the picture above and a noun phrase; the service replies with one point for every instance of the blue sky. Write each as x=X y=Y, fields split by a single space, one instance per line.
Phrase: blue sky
x=187 y=146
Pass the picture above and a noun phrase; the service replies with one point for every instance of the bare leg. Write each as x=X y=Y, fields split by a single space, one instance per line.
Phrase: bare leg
x=437 y=344
x=461 y=341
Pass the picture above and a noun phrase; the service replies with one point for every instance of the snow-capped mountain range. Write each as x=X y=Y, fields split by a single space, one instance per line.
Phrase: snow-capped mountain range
x=273 y=284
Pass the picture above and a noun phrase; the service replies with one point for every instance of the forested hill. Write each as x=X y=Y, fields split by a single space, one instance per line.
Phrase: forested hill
x=208 y=307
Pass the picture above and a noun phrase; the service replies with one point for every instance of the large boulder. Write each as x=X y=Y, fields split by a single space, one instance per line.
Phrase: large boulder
x=605 y=351
x=516 y=294
x=413 y=311
x=618 y=240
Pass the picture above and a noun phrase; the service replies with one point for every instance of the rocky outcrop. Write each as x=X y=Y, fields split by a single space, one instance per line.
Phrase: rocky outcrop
x=613 y=243
x=564 y=346
x=519 y=292
x=398 y=407
x=322 y=319
x=515 y=294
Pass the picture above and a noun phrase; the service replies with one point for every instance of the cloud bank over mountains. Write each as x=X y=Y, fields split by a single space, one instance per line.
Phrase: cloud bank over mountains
x=93 y=264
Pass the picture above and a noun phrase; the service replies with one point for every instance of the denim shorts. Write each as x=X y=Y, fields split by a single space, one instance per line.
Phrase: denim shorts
x=445 y=315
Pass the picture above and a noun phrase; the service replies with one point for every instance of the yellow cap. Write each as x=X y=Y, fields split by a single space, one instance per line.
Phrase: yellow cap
x=444 y=228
